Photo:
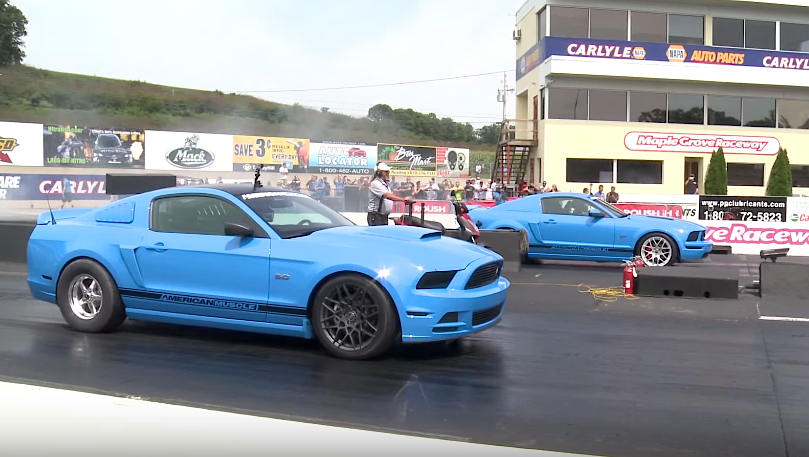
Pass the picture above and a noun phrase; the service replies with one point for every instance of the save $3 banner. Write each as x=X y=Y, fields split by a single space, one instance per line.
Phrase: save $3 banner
x=266 y=150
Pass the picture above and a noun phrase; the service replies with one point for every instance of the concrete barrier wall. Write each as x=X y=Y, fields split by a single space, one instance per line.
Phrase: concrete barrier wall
x=14 y=241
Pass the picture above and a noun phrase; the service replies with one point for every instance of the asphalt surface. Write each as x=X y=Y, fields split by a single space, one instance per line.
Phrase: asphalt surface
x=564 y=371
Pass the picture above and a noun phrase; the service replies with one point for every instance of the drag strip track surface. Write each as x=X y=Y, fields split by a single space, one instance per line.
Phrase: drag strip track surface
x=562 y=372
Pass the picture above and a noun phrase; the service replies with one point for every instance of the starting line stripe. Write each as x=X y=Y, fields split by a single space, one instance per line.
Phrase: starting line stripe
x=784 y=319
x=40 y=420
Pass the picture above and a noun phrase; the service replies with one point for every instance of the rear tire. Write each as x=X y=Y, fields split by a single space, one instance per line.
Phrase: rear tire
x=353 y=318
x=89 y=298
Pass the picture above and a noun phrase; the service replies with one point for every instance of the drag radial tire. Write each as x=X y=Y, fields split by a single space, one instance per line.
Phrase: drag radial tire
x=353 y=317
x=88 y=298
x=657 y=250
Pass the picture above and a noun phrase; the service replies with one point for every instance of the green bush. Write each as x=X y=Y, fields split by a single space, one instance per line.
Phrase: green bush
x=780 y=182
x=716 y=179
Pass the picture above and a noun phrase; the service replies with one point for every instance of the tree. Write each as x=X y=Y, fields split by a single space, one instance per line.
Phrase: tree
x=780 y=182
x=716 y=179
x=12 y=31
x=380 y=112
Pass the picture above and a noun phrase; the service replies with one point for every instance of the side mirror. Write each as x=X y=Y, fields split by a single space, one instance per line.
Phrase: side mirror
x=232 y=229
x=596 y=213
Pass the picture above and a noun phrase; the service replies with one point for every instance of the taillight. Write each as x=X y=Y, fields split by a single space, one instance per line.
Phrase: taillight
x=468 y=224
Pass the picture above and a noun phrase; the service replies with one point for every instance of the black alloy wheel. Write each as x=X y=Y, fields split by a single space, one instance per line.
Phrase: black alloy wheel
x=353 y=318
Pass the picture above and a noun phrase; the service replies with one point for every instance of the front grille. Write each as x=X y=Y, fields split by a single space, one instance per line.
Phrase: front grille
x=486 y=315
x=484 y=275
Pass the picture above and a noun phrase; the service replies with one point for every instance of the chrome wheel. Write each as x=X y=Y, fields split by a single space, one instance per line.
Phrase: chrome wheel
x=656 y=251
x=85 y=296
x=350 y=317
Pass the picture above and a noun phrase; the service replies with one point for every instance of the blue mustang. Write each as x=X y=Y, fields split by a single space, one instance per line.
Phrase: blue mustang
x=566 y=226
x=262 y=260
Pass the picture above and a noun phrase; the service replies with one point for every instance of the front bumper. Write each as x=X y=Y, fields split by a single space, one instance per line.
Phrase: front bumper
x=437 y=315
x=695 y=250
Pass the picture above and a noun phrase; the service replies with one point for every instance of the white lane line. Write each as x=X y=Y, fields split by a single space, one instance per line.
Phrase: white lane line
x=784 y=319
x=43 y=421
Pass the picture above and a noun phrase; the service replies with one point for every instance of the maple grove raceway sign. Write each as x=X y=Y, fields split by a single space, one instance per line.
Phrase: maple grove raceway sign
x=701 y=143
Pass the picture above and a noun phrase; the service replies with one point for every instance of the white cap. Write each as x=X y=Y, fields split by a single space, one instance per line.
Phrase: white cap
x=382 y=166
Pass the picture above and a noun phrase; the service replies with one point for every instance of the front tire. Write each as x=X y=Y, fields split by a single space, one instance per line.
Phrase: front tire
x=89 y=299
x=657 y=250
x=353 y=318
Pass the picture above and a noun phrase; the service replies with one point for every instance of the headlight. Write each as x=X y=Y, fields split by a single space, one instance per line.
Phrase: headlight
x=436 y=280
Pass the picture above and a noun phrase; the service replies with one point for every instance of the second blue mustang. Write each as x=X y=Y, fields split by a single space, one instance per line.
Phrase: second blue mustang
x=567 y=226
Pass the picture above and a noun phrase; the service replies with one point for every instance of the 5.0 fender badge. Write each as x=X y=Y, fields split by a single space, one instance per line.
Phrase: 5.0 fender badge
x=281 y=276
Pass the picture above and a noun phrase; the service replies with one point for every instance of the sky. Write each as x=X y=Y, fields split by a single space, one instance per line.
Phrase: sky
x=246 y=46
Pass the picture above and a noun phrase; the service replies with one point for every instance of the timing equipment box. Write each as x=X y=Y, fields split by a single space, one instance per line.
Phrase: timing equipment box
x=131 y=184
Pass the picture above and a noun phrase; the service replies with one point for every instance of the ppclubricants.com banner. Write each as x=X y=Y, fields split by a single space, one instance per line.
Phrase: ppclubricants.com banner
x=743 y=209
x=408 y=160
x=52 y=186
x=658 y=52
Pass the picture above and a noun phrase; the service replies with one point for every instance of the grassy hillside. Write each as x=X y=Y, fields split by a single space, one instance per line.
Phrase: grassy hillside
x=32 y=95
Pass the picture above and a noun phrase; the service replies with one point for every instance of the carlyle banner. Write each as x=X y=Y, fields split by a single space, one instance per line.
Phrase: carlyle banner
x=658 y=52
x=20 y=144
x=266 y=150
x=408 y=160
x=452 y=162
x=175 y=151
x=342 y=158
x=75 y=146
x=52 y=186
x=743 y=209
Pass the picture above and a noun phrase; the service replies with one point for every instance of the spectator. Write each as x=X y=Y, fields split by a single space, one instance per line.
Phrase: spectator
x=554 y=188
x=691 y=186
x=600 y=193
x=612 y=196
x=284 y=173
x=586 y=191
x=469 y=190
x=339 y=185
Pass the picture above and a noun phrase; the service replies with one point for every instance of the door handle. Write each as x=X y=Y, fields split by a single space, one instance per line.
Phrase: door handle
x=159 y=247
x=549 y=222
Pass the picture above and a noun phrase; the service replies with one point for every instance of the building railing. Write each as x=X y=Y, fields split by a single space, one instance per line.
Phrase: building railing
x=519 y=129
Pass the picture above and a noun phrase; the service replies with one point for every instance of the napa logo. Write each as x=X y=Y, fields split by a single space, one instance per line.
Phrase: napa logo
x=676 y=53
x=7 y=145
x=639 y=53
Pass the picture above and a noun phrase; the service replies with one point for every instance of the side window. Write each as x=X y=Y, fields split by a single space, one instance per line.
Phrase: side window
x=568 y=206
x=195 y=214
x=294 y=213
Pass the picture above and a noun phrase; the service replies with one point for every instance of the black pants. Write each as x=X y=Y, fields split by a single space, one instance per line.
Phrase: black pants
x=377 y=219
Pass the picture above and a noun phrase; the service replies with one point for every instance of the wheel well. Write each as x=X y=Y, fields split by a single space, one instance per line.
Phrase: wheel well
x=316 y=289
x=71 y=261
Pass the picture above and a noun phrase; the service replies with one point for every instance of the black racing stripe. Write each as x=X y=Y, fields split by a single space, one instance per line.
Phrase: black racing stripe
x=573 y=248
x=208 y=302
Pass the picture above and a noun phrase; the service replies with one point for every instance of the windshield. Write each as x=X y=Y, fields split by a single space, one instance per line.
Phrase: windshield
x=292 y=214
x=108 y=141
x=612 y=209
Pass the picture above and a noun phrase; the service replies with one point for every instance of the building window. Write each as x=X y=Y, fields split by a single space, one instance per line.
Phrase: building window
x=686 y=29
x=543 y=24
x=793 y=114
x=648 y=27
x=609 y=24
x=569 y=22
x=800 y=175
x=686 y=109
x=567 y=103
x=590 y=171
x=639 y=172
x=723 y=110
x=758 y=112
x=647 y=107
x=607 y=105
x=759 y=34
x=746 y=174
x=728 y=32
x=794 y=37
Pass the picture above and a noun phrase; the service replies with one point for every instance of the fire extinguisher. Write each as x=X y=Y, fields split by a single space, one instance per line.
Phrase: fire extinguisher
x=629 y=278
x=638 y=262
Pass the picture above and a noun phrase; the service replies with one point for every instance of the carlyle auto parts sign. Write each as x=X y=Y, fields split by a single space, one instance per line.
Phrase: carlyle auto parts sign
x=51 y=186
x=189 y=151
x=409 y=160
x=701 y=143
